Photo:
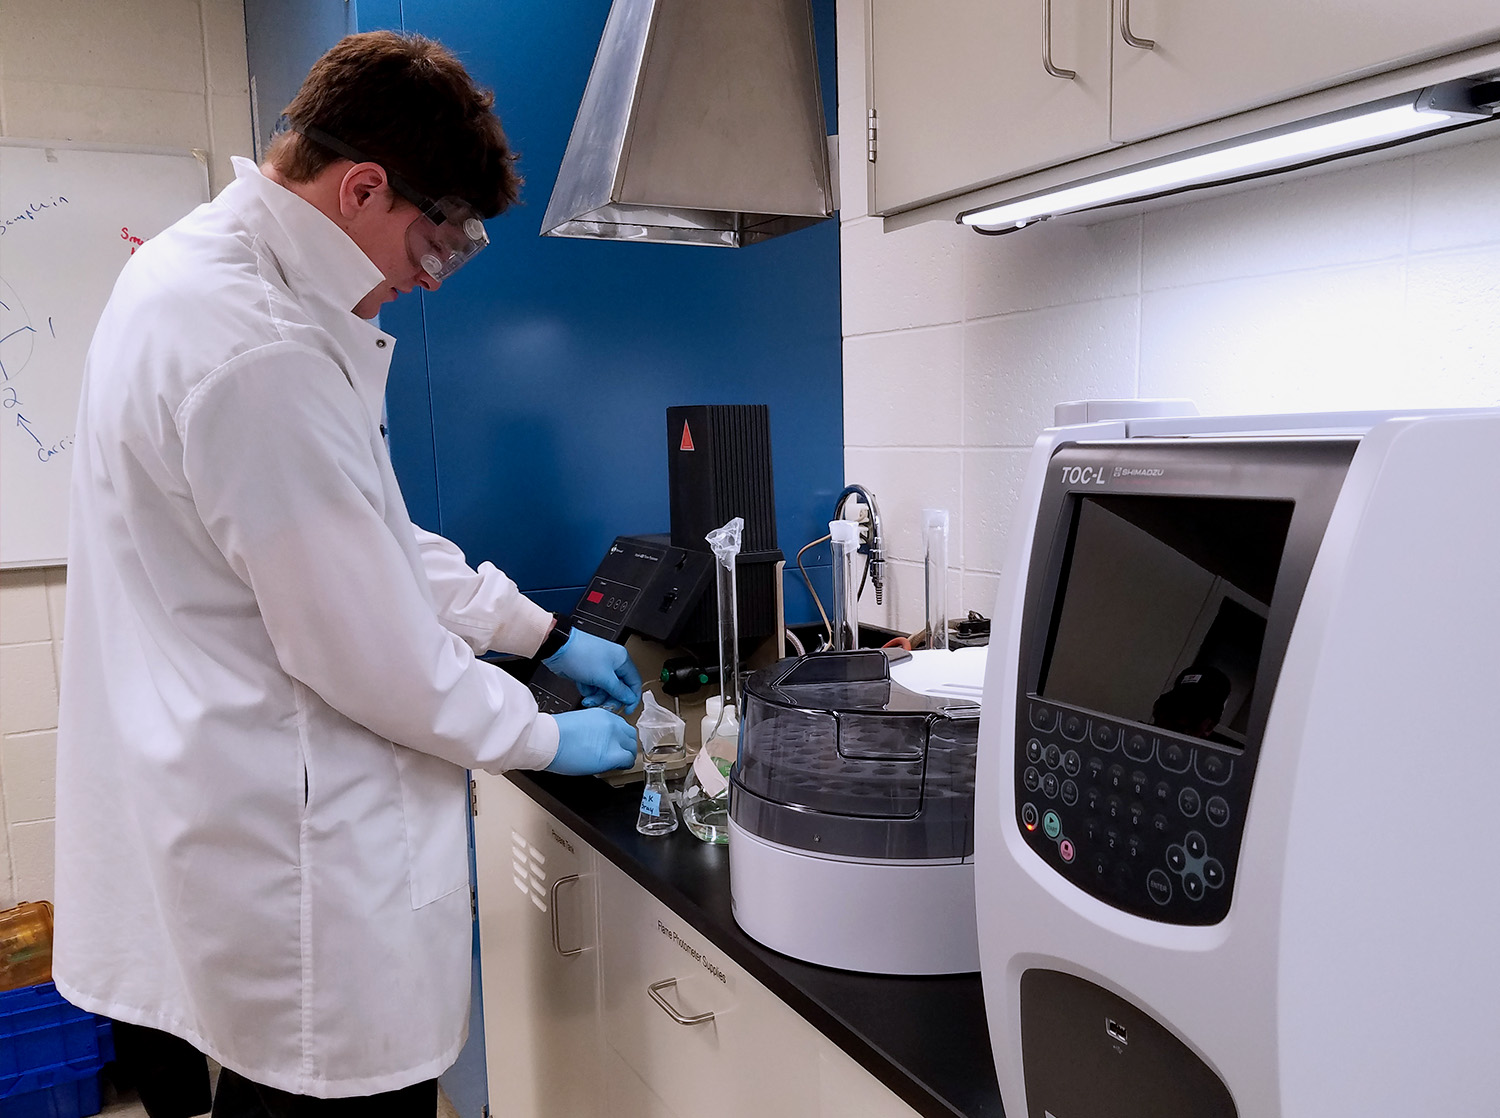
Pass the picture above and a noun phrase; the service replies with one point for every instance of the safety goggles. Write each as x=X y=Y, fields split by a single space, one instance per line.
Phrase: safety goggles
x=444 y=236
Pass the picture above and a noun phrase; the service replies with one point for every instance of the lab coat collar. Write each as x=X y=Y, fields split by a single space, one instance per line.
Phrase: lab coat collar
x=320 y=263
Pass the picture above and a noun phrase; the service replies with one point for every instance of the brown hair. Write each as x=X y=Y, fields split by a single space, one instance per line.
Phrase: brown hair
x=406 y=103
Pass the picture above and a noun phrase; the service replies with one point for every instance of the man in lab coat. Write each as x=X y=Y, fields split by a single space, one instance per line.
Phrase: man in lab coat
x=269 y=687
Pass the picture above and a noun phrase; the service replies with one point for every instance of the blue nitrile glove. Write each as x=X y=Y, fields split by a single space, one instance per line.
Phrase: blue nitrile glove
x=603 y=670
x=592 y=741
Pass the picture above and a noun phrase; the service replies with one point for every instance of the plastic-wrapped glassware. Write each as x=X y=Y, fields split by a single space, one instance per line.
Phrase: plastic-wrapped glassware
x=659 y=731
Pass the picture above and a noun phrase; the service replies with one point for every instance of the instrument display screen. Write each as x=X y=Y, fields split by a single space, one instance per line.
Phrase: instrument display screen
x=1161 y=608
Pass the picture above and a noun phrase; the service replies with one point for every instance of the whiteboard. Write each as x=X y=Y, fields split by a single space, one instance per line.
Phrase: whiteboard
x=70 y=216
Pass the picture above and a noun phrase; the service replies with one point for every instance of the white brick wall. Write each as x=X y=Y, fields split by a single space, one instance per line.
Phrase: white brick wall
x=1376 y=286
x=160 y=72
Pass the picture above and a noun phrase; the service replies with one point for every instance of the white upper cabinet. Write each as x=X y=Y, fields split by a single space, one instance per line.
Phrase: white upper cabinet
x=965 y=94
x=1214 y=59
x=962 y=95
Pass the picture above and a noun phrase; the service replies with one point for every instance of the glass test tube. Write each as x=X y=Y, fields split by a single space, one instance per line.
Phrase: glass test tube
x=935 y=532
x=844 y=539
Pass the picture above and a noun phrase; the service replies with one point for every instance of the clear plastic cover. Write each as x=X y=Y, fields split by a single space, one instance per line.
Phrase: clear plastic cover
x=838 y=759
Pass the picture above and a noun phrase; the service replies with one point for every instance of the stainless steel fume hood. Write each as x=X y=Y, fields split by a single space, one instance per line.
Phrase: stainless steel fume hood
x=702 y=123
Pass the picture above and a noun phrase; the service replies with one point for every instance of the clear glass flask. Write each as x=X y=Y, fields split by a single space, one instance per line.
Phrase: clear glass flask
x=843 y=538
x=657 y=815
x=935 y=533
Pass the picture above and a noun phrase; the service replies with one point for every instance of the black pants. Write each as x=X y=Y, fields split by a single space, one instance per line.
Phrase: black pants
x=237 y=1097
x=169 y=1074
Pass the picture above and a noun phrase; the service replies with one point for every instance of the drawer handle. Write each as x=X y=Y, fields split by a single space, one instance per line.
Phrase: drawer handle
x=1047 y=65
x=1129 y=36
x=655 y=990
x=552 y=909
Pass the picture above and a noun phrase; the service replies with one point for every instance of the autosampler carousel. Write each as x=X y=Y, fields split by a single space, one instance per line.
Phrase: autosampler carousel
x=852 y=817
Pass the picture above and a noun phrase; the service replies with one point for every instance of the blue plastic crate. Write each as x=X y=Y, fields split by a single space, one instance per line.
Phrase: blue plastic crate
x=67 y=1098
x=50 y=1055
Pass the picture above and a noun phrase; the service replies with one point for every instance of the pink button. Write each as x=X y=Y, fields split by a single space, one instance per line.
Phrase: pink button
x=1065 y=848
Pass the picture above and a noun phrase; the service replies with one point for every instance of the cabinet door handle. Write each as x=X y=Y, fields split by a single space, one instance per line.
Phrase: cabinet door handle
x=1129 y=36
x=1047 y=65
x=655 y=990
x=552 y=910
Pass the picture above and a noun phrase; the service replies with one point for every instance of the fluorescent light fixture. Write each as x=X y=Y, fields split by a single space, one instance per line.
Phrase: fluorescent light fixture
x=1379 y=124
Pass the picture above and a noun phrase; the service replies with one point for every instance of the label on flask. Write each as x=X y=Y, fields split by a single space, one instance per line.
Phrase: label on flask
x=650 y=802
x=709 y=777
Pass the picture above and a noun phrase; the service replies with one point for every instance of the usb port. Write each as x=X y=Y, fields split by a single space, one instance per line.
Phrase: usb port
x=1116 y=1031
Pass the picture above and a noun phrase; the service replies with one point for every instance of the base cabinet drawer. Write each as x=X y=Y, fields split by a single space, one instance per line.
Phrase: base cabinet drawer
x=688 y=1031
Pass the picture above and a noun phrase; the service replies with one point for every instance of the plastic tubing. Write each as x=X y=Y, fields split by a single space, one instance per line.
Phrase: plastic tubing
x=843 y=537
x=935 y=532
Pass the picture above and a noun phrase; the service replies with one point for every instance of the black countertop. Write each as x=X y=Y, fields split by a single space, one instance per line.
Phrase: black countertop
x=924 y=1038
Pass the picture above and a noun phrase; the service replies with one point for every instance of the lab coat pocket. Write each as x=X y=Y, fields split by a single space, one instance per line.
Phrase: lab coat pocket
x=434 y=803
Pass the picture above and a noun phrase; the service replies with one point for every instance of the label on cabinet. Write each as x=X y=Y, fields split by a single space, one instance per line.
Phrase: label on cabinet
x=697 y=956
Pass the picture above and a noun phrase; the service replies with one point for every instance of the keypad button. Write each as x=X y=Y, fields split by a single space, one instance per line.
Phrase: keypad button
x=1137 y=814
x=1159 y=887
x=1049 y=785
x=1073 y=726
x=1138 y=746
x=1216 y=811
x=1213 y=873
x=1053 y=756
x=1051 y=825
x=1174 y=756
x=1135 y=847
x=1115 y=777
x=1032 y=779
x=1195 y=845
x=1114 y=841
x=1114 y=809
x=1096 y=767
x=1072 y=763
x=1029 y=816
x=1093 y=798
x=1162 y=792
x=1093 y=830
x=1122 y=877
x=1176 y=858
x=1160 y=823
x=1189 y=802
x=1139 y=782
x=1043 y=717
x=1214 y=767
x=1069 y=792
x=1034 y=751
x=1192 y=885
x=1104 y=735
x=1065 y=850
x=1099 y=866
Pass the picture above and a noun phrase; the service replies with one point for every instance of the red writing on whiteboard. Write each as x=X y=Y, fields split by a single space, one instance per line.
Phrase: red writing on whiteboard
x=127 y=235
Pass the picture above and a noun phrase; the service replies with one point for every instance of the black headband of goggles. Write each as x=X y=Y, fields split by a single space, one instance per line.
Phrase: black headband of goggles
x=423 y=202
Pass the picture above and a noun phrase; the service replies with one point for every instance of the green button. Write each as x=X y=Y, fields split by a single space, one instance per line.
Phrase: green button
x=1051 y=824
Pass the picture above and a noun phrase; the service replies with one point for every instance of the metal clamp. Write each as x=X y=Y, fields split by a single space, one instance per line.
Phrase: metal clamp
x=655 y=990
x=1129 y=36
x=552 y=911
x=1055 y=71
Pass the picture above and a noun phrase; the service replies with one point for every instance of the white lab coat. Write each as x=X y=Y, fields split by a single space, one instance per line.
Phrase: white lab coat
x=269 y=690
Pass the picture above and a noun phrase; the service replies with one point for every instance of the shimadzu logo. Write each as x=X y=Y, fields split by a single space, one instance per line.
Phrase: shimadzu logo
x=1139 y=471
